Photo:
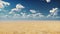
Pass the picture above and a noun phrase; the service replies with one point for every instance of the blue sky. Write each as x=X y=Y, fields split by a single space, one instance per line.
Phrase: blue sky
x=36 y=9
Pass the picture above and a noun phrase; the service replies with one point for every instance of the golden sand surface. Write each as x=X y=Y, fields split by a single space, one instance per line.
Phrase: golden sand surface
x=29 y=27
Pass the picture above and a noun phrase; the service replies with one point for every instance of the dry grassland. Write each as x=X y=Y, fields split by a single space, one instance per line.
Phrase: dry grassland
x=29 y=27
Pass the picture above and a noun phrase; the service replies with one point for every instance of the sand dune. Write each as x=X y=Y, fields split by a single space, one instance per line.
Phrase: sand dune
x=29 y=27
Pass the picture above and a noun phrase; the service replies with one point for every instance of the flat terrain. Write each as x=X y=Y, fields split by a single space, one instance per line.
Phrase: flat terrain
x=29 y=27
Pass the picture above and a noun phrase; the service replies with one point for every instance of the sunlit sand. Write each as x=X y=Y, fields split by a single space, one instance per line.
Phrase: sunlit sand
x=29 y=27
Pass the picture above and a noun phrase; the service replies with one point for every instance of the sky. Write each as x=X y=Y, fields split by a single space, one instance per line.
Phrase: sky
x=30 y=9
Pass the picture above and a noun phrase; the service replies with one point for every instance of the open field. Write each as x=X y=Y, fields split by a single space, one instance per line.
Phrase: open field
x=29 y=27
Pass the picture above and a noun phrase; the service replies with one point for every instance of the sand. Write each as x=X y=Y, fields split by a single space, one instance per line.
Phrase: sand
x=29 y=27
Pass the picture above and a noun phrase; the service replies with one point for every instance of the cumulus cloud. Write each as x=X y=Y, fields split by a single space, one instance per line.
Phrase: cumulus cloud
x=24 y=15
x=18 y=8
x=3 y=11
x=48 y=1
x=32 y=11
x=16 y=12
x=3 y=4
x=39 y=15
x=53 y=12
x=35 y=14
x=16 y=15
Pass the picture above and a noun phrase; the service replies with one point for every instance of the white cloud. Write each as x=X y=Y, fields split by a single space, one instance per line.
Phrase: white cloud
x=32 y=11
x=40 y=15
x=16 y=16
x=11 y=12
x=3 y=4
x=15 y=11
x=48 y=1
x=36 y=15
x=23 y=15
x=18 y=8
x=53 y=12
